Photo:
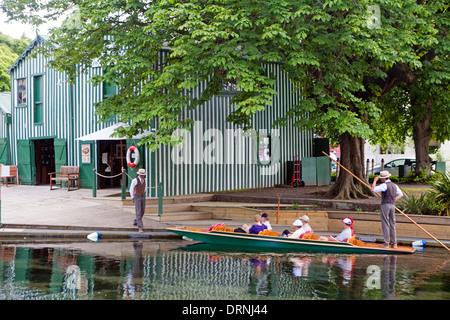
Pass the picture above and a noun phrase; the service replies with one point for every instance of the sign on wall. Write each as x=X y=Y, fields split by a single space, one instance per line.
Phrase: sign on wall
x=85 y=153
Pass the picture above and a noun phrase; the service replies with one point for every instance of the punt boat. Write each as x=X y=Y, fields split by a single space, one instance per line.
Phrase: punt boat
x=270 y=241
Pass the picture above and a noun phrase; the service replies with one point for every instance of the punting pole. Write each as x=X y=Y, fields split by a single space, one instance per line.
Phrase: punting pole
x=278 y=210
x=433 y=237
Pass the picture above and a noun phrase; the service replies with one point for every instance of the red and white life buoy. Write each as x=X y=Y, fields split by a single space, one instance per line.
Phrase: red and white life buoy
x=136 y=156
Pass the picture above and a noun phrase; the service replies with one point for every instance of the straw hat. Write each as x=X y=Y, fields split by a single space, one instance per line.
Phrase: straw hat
x=141 y=172
x=384 y=174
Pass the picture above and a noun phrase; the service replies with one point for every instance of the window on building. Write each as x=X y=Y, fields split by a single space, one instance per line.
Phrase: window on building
x=264 y=149
x=21 y=91
x=108 y=90
x=38 y=102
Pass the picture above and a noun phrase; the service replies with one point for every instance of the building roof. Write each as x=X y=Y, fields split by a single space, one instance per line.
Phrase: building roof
x=108 y=134
x=31 y=46
x=5 y=102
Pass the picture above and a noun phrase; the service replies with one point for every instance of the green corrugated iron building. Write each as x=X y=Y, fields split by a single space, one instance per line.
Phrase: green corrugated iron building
x=51 y=118
x=5 y=128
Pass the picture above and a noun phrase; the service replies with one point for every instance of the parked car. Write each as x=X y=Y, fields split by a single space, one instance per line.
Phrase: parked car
x=393 y=166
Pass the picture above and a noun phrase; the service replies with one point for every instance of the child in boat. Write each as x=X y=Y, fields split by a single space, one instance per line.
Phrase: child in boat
x=346 y=233
x=256 y=228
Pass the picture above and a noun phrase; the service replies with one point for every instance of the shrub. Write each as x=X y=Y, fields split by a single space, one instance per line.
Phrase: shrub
x=394 y=179
x=441 y=192
x=423 y=177
x=424 y=203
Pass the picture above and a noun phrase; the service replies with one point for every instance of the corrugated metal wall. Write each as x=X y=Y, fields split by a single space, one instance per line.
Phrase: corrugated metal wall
x=85 y=95
x=238 y=168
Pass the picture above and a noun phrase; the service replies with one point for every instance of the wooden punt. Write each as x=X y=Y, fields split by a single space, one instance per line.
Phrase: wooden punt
x=271 y=242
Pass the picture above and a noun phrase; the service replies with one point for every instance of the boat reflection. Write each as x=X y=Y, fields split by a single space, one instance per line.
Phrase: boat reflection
x=349 y=276
x=174 y=270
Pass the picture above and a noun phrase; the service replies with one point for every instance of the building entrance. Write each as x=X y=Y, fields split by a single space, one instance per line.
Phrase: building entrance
x=44 y=159
x=111 y=155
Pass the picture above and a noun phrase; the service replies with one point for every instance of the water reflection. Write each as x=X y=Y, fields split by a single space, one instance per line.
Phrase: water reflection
x=171 y=270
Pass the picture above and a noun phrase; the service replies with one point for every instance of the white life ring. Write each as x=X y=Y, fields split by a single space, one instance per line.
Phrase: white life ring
x=136 y=156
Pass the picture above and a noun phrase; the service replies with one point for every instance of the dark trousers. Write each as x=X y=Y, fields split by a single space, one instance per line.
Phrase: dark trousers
x=388 y=223
x=139 y=206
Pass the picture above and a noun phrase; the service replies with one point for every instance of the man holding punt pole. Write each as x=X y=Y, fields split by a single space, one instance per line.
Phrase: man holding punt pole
x=390 y=193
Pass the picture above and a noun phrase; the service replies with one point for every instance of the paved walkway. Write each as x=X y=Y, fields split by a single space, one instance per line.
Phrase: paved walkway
x=37 y=211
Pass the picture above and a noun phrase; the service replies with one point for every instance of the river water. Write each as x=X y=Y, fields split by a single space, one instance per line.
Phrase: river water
x=184 y=270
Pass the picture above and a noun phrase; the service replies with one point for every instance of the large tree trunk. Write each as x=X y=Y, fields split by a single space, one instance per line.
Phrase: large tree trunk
x=352 y=158
x=422 y=133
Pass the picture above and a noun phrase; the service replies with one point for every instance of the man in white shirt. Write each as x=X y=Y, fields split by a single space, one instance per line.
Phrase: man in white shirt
x=347 y=232
x=137 y=193
x=390 y=193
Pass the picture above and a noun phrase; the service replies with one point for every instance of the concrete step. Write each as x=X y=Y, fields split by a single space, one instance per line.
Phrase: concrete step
x=152 y=208
x=168 y=208
x=116 y=200
x=180 y=216
x=188 y=198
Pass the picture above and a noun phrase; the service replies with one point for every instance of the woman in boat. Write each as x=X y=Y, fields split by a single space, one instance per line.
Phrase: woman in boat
x=302 y=228
x=346 y=233
x=256 y=228
x=298 y=230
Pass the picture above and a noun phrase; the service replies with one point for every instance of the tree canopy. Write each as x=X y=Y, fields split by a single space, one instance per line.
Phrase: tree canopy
x=344 y=56
x=10 y=49
x=421 y=110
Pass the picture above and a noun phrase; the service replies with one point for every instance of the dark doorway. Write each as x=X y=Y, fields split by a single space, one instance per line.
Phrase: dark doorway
x=111 y=155
x=45 y=160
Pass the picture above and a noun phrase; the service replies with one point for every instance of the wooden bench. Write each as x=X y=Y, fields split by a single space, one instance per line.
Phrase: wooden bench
x=69 y=174
x=12 y=175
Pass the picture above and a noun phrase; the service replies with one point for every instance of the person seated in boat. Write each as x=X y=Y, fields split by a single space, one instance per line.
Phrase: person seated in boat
x=256 y=228
x=265 y=221
x=297 y=234
x=346 y=233
x=306 y=227
x=302 y=228
x=298 y=230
